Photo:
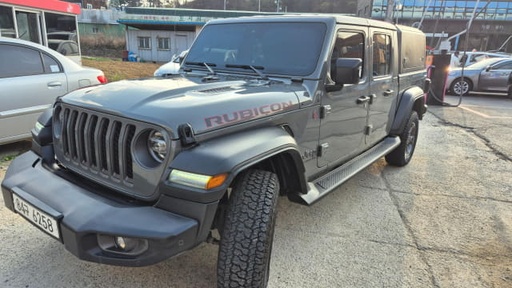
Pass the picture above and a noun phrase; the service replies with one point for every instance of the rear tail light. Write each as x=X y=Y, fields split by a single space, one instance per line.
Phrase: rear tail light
x=102 y=79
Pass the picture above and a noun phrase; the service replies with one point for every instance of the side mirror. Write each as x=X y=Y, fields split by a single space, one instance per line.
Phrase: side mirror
x=348 y=70
x=488 y=68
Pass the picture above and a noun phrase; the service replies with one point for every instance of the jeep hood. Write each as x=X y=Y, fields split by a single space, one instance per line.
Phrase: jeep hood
x=174 y=101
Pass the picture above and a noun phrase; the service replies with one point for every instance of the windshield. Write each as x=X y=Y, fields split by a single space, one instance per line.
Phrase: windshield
x=276 y=48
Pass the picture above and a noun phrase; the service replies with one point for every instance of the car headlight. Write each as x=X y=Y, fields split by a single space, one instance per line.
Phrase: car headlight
x=157 y=145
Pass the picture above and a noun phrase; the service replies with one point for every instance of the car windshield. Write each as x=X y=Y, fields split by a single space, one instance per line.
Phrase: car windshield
x=278 y=48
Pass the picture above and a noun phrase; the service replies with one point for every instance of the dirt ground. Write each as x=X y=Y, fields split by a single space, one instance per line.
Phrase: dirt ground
x=116 y=70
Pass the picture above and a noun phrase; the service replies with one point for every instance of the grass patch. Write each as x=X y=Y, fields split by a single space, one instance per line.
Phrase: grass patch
x=8 y=158
x=116 y=70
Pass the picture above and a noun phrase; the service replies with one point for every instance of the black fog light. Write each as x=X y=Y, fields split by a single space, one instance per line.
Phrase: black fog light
x=122 y=245
x=125 y=243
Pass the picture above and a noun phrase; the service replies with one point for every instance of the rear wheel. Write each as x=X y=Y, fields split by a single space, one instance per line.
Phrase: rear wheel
x=461 y=86
x=402 y=154
x=247 y=235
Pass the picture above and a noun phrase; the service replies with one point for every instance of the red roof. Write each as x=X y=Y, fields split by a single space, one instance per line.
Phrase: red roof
x=52 y=5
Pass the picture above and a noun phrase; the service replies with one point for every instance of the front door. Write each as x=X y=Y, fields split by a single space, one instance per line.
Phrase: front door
x=496 y=77
x=344 y=112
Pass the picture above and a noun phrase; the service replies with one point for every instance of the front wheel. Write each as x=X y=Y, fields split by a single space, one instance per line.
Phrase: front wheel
x=402 y=154
x=247 y=235
x=461 y=86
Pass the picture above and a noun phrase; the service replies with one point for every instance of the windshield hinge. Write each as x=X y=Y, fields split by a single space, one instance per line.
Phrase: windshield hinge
x=186 y=134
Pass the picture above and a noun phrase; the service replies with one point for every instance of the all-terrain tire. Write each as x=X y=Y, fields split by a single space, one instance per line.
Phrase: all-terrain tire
x=402 y=154
x=247 y=235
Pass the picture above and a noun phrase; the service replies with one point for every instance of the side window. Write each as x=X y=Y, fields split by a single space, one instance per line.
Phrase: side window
x=503 y=66
x=19 y=61
x=51 y=65
x=348 y=45
x=381 y=54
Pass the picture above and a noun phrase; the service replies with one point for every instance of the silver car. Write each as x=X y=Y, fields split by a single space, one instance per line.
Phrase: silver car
x=31 y=77
x=473 y=57
x=489 y=75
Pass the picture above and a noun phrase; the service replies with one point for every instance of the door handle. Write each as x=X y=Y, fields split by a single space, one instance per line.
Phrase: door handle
x=363 y=99
x=387 y=92
x=54 y=84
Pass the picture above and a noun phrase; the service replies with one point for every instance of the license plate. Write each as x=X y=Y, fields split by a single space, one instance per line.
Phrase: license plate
x=42 y=220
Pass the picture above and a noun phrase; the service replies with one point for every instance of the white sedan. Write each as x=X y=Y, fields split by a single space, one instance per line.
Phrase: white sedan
x=172 y=67
x=32 y=76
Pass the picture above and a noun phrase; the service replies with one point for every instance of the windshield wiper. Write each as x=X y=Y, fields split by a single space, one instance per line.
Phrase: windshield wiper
x=205 y=64
x=211 y=73
x=253 y=68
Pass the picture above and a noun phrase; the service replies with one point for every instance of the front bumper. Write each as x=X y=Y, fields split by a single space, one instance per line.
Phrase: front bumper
x=83 y=215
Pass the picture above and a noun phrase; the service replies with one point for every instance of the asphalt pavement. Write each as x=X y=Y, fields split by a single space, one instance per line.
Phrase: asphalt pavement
x=445 y=220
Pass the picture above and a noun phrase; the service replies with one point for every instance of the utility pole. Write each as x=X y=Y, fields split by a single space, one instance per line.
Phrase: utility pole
x=390 y=11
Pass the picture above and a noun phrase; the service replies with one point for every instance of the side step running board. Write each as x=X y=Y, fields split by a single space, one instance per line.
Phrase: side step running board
x=325 y=184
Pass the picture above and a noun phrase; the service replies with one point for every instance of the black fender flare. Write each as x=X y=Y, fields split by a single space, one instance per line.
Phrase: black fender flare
x=411 y=99
x=236 y=152
x=230 y=154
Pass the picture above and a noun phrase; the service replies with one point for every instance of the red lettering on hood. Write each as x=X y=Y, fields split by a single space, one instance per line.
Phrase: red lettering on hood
x=246 y=114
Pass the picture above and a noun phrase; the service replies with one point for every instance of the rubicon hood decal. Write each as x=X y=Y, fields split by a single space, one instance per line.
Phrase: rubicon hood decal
x=175 y=101
x=246 y=114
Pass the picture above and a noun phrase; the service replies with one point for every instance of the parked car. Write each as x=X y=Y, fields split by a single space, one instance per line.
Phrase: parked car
x=31 y=77
x=172 y=67
x=474 y=57
x=64 y=47
x=62 y=35
x=489 y=75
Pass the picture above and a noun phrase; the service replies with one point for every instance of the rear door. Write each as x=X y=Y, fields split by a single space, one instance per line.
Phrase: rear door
x=495 y=79
x=30 y=82
x=383 y=83
x=345 y=111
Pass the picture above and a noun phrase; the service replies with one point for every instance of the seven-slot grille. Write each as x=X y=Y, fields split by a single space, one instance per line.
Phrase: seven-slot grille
x=97 y=142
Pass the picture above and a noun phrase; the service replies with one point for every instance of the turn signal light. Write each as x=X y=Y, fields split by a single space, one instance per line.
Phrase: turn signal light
x=102 y=79
x=197 y=180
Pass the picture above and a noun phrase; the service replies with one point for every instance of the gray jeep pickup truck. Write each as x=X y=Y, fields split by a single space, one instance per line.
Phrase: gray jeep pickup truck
x=133 y=172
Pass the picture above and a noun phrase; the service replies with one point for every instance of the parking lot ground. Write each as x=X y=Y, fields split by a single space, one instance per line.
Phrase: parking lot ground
x=445 y=220
x=486 y=116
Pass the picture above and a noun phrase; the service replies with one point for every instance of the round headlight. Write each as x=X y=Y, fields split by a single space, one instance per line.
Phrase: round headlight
x=157 y=145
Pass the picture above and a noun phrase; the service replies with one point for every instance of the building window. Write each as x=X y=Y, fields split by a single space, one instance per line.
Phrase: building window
x=95 y=30
x=164 y=43
x=144 y=42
